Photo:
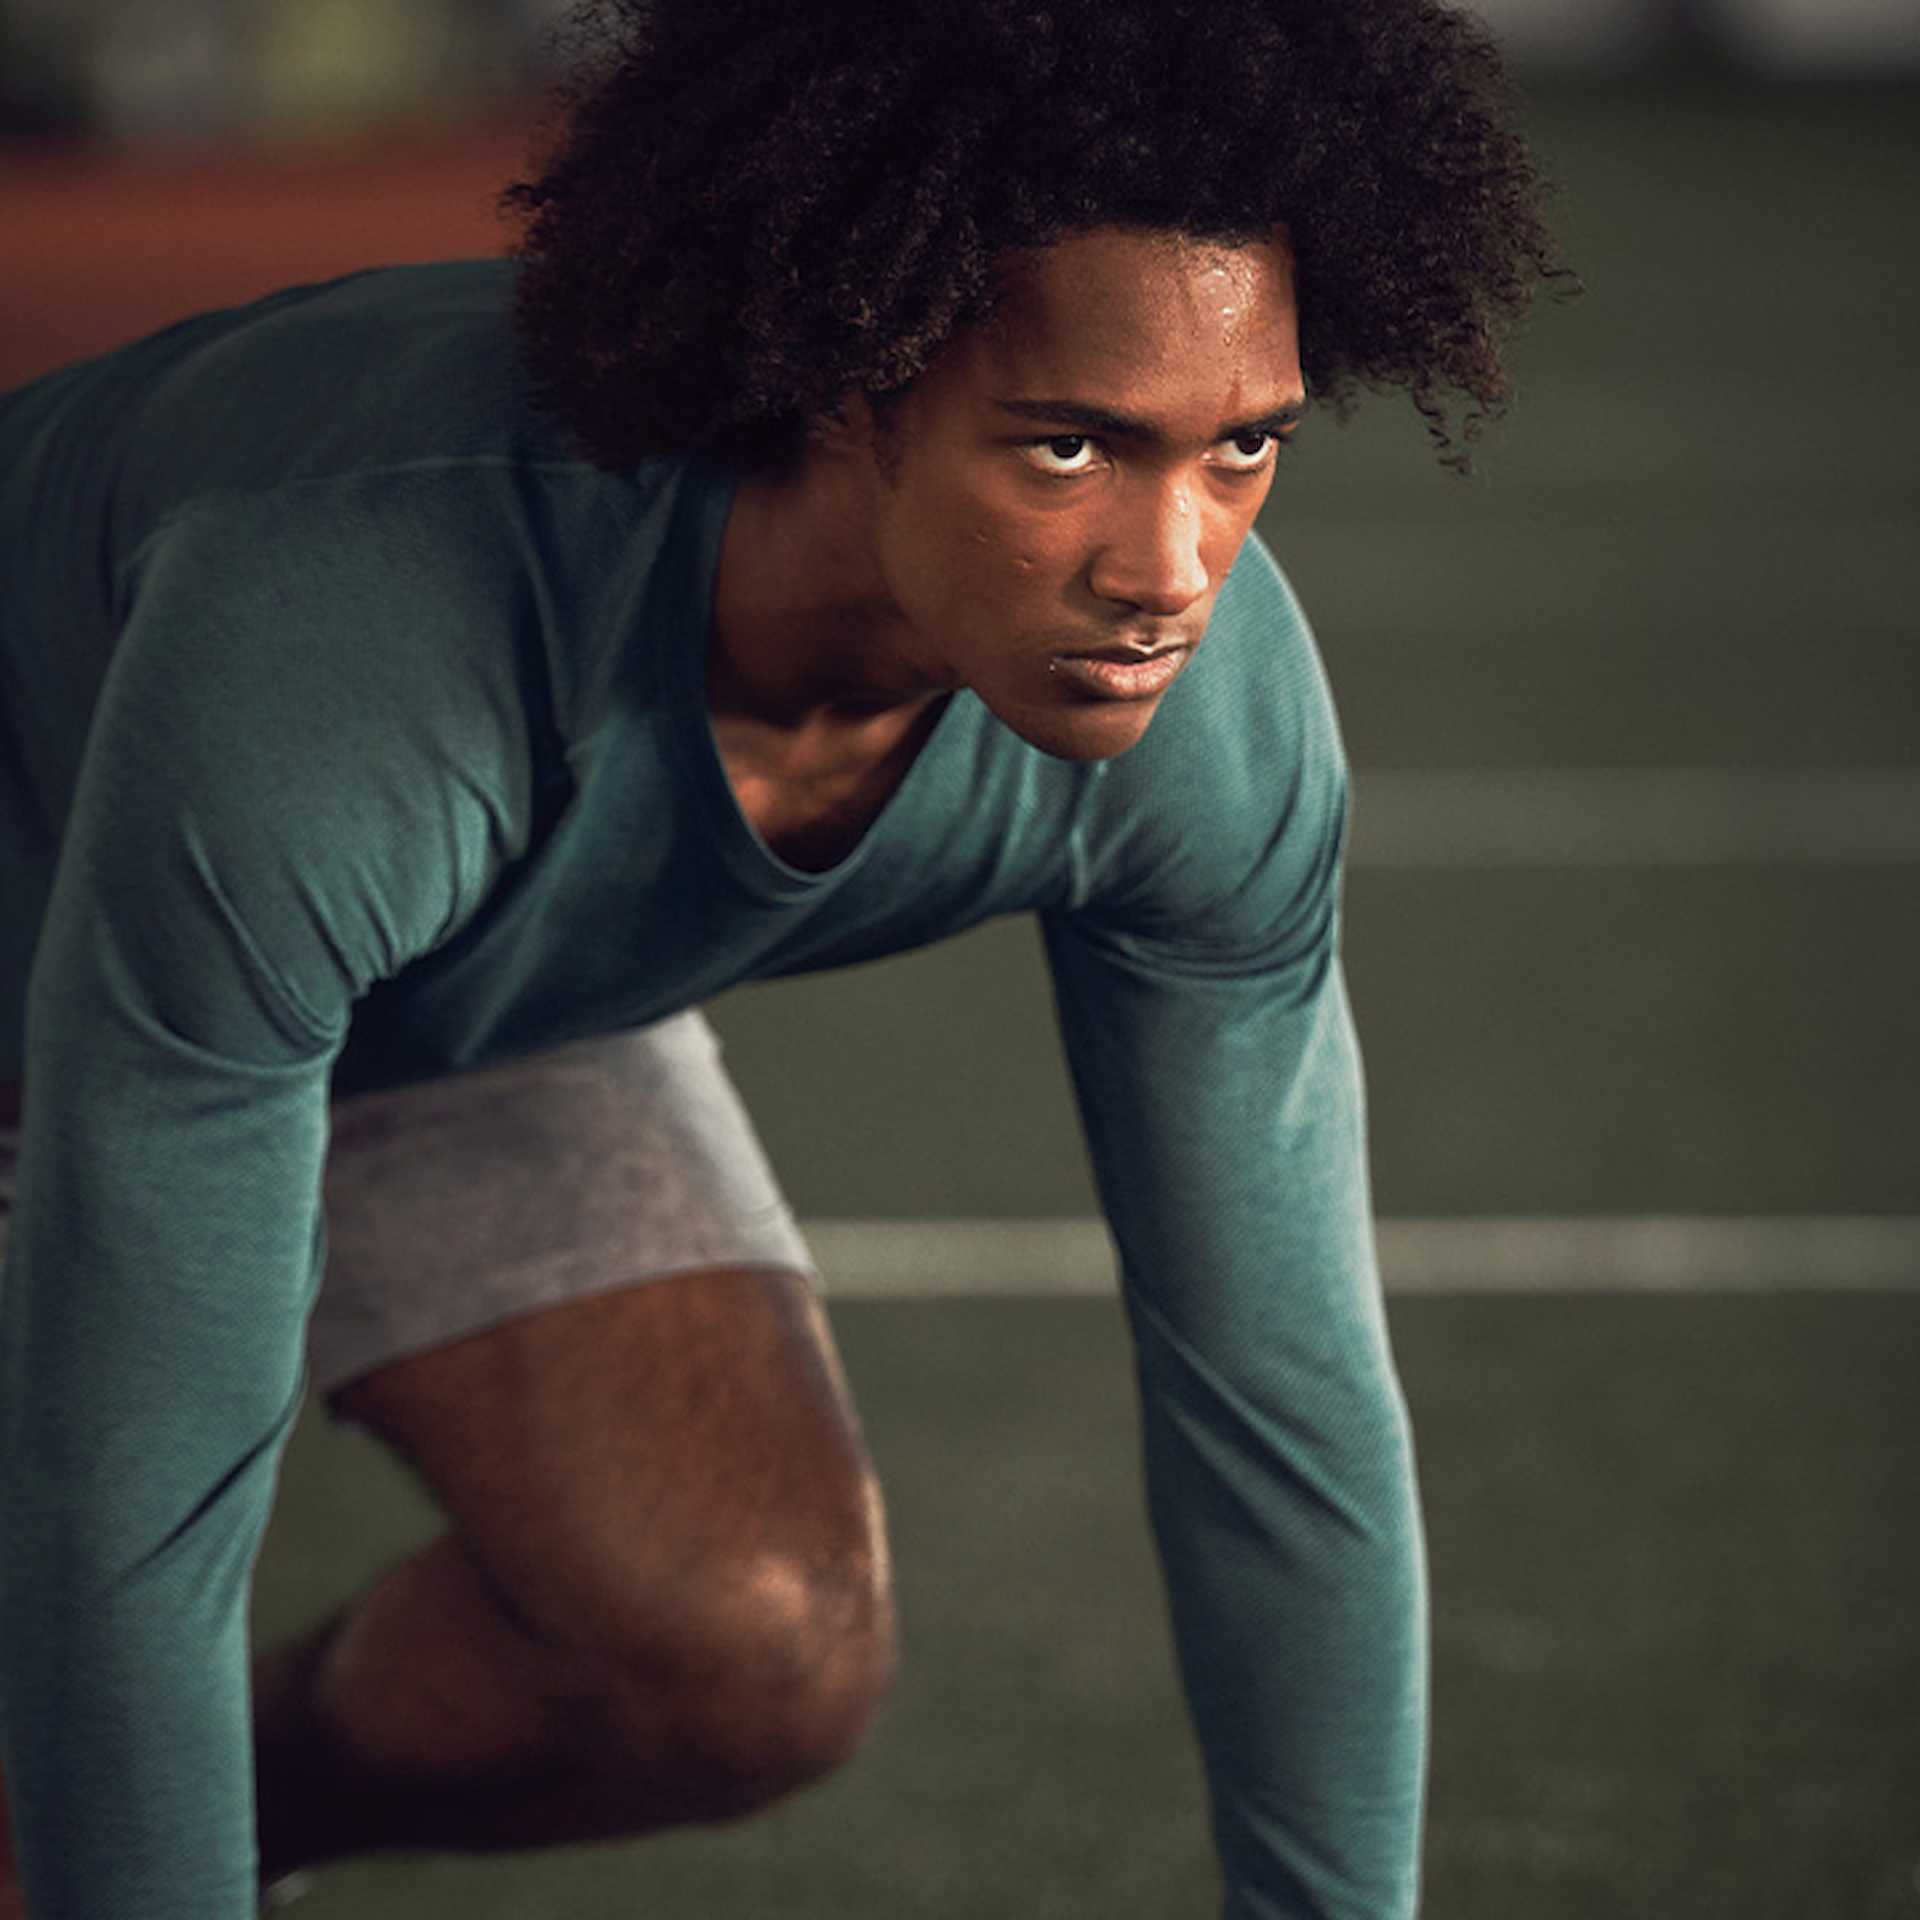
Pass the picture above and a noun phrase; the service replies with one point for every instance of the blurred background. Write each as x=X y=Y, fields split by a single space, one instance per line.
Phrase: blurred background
x=1634 y=939
x=136 y=71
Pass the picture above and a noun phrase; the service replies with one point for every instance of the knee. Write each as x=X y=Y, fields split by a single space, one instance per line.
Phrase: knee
x=765 y=1679
x=804 y=1660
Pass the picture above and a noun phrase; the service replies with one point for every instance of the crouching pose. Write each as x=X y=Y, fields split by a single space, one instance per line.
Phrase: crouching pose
x=419 y=693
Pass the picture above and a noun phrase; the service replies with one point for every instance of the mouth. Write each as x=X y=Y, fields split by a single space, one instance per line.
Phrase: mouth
x=1122 y=673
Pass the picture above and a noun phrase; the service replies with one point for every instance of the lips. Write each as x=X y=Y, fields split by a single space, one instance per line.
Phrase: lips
x=1122 y=673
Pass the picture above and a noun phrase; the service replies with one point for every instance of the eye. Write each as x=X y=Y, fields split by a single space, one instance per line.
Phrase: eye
x=1248 y=452
x=1062 y=454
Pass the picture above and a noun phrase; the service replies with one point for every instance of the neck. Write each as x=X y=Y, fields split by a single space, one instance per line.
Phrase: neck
x=804 y=630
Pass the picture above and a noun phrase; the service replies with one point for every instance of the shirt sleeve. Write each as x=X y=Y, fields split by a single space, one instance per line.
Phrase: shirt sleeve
x=243 y=858
x=1218 y=1079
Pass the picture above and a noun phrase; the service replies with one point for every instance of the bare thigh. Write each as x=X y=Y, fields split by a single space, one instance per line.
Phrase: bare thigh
x=658 y=1469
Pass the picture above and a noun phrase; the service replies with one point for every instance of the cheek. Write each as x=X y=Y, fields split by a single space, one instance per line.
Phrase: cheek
x=982 y=567
x=1039 y=554
x=1006 y=559
x=1226 y=537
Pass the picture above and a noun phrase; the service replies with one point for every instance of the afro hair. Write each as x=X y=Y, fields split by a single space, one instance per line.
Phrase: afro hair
x=750 y=209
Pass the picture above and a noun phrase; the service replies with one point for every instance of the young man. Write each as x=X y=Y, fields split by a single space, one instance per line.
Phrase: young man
x=419 y=693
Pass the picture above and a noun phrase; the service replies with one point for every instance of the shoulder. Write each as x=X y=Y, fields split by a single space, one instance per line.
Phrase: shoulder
x=302 y=744
x=433 y=558
x=411 y=376
x=1236 y=797
x=1261 y=689
x=377 y=367
x=1254 y=705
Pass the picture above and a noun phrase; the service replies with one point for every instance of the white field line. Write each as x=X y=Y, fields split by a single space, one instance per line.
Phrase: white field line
x=909 y=1259
x=1636 y=817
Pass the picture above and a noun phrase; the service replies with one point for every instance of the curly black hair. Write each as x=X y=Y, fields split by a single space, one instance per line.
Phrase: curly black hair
x=753 y=208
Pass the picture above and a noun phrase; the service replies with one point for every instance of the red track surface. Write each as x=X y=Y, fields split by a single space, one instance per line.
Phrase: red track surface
x=98 y=250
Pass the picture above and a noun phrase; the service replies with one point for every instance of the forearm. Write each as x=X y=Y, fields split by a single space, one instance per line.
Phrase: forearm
x=126 y=1744
x=149 y=1373
x=1296 y=1579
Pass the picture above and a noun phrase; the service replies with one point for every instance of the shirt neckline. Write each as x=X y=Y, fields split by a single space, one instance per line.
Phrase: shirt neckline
x=701 y=522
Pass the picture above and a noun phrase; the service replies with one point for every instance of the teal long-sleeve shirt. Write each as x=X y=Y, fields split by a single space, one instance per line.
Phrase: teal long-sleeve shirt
x=353 y=730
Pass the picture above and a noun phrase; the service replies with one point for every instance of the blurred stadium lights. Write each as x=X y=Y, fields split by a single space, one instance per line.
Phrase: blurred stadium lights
x=197 y=70
x=1789 y=39
x=1603 y=35
x=1838 y=37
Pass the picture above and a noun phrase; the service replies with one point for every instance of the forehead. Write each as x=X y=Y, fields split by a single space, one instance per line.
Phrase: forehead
x=1101 y=313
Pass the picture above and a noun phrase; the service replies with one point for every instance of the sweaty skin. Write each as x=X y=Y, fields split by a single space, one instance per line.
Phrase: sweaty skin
x=993 y=524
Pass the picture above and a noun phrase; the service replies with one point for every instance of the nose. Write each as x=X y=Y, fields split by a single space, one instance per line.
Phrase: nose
x=1152 y=558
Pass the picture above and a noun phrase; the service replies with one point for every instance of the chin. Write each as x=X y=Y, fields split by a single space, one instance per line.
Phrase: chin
x=1085 y=730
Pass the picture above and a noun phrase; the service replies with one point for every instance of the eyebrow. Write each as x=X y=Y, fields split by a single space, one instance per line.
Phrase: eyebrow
x=1126 y=426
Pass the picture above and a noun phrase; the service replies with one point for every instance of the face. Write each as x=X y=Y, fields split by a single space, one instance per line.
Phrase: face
x=1076 y=478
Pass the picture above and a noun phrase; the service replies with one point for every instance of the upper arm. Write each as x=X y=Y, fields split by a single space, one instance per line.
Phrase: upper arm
x=291 y=786
x=301 y=774
x=1201 y=1000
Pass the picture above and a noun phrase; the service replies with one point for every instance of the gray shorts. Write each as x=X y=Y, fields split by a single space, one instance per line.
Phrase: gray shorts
x=457 y=1204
